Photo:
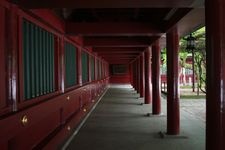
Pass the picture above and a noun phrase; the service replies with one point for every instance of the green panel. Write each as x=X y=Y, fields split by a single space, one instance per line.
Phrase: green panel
x=41 y=60
x=103 y=70
x=70 y=65
x=47 y=62
x=38 y=61
x=52 y=63
x=84 y=61
x=36 y=56
x=92 y=68
x=99 y=69
x=32 y=60
x=43 y=63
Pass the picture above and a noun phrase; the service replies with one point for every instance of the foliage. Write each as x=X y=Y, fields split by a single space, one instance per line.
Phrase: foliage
x=199 y=58
x=163 y=56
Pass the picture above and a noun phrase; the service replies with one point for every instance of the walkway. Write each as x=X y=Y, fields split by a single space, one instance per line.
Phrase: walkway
x=119 y=122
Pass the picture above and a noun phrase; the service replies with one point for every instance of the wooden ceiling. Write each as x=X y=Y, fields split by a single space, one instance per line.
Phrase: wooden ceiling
x=119 y=30
x=110 y=3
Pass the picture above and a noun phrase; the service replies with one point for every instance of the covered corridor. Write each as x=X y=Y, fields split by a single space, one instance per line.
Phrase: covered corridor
x=58 y=57
x=120 y=122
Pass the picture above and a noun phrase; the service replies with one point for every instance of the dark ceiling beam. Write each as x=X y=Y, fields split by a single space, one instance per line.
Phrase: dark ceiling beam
x=119 y=41
x=109 y=3
x=118 y=49
x=112 y=29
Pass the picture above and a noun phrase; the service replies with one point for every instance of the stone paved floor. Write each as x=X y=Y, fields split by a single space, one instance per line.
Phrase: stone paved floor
x=119 y=122
x=195 y=107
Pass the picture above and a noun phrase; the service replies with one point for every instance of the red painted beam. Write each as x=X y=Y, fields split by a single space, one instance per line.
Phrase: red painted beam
x=122 y=59
x=114 y=63
x=118 y=49
x=112 y=28
x=118 y=59
x=109 y=3
x=50 y=17
x=119 y=53
x=117 y=56
x=118 y=41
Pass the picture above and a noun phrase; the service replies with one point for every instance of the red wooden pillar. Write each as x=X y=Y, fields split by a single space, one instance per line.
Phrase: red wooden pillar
x=131 y=73
x=79 y=69
x=138 y=75
x=142 y=76
x=156 y=79
x=96 y=68
x=3 y=102
x=135 y=74
x=135 y=81
x=60 y=47
x=89 y=68
x=148 y=78
x=215 y=97
x=12 y=55
x=173 y=112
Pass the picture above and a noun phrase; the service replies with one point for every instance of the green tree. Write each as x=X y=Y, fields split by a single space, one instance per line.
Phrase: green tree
x=163 y=60
x=200 y=58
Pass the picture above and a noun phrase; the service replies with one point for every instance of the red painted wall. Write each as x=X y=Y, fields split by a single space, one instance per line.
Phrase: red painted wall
x=123 y=78
x=44 y=121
